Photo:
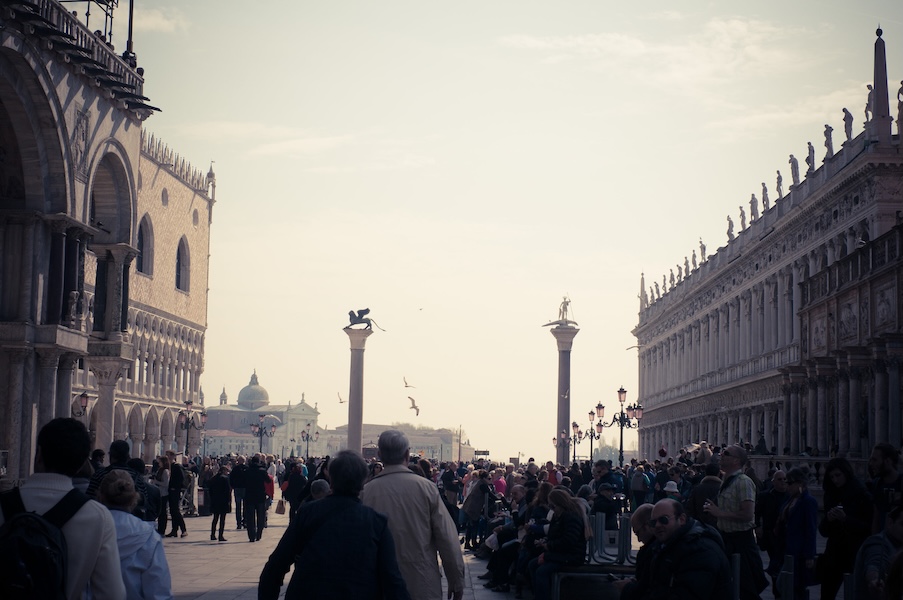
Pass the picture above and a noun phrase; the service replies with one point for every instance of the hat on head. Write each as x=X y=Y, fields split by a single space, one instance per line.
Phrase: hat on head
x=606 y=486
x=671 y=486
x=737 y=451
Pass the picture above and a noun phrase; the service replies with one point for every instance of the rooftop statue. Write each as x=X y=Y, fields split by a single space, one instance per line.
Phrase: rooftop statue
x=730 y=228
x=765 y=203
x=687 y=265
x=780 y=182
x=701 y=250
x=361 y=319
x=810 y=160
x=694 y=255
x=563 y=320
x=829 y=143
x=671 y=279
x=680 y=272
x=658 y=292
x=742 y=219
x=753 y=208
x=900 y=108
x=794 y=170
x=848 y=124
x=869 y=104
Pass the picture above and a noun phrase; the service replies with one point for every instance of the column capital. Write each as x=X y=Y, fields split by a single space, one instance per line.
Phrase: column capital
x=564 y=335
x=358 y=337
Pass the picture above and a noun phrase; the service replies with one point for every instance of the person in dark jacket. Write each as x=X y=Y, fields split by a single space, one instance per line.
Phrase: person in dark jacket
x=606 y=504
x=237 y=481
x=564 y=544
x=796 y=529
x=328 y=535
x=295 y=488
x=220 y=502
x=256 y=479
x=705 y=490
x=690 y=563
x=768 y=509
x=846 y=524
x=174 y=494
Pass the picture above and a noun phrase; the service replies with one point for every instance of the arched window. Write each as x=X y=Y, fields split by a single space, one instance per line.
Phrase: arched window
x=144 y=263
x=183 y=266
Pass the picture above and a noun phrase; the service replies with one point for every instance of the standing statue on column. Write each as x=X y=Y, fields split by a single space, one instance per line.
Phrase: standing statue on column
x=742 y=218
x=694 y=256
x=753 y=208
x=765 y=203
x=701 y=251
x=869 y=108
x=848 y=124
x=829 y=142
x=687 y=266
x=810 y=160
x=794 y=170
x=900 y=108
x=563 y=308
x=780 y=184
x=730 y=228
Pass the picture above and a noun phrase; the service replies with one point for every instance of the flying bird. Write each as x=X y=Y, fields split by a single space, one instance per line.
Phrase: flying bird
x=566 y=393
x=340 y=398
x=406 y=384
x=414 y=406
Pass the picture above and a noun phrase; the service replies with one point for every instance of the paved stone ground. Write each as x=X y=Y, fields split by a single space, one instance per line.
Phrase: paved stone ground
x=205 y=570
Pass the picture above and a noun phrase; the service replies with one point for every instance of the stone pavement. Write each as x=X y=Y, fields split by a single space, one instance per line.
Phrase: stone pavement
x=205 y=570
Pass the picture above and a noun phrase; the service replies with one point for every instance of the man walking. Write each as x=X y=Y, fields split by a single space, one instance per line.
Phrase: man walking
x=420 y=523
x=255 y=499
x=237 y=481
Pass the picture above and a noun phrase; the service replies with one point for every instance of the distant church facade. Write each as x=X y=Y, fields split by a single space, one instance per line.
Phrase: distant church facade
x=789 y=337
x=104 y=245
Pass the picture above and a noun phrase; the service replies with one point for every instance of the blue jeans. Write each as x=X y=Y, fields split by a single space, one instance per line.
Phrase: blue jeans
x=239 y=501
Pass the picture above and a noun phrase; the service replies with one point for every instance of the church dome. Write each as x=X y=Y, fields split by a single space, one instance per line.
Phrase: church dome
x=253 y=395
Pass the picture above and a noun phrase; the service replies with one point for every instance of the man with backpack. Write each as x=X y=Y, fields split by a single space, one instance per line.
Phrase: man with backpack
x=54 y=540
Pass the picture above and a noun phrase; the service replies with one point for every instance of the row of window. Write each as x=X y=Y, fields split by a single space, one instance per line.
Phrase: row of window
x=144 y=263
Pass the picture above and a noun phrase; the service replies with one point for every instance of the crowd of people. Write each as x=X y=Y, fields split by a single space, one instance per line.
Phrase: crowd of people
x=390 y=518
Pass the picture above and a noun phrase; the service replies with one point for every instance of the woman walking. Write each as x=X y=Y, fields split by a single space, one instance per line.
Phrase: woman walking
x=161 y=480
x=220 y=501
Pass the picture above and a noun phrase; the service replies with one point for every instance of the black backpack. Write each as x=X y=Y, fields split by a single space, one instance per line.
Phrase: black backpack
x=33 y=555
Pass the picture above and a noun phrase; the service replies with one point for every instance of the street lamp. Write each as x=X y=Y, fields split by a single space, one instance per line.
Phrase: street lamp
x=595 y=432
x=624 y=419
x=83 y=402
x=187 y=421
x=564 y=439
x=305 y=437
x=259 y=431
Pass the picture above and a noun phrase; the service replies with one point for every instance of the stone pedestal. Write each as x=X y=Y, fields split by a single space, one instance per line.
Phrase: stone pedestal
x=564 y=335
x=358 y=338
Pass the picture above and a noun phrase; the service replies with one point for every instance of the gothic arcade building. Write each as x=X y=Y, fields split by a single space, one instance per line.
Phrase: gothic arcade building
x=104 y=244
x=792 y=331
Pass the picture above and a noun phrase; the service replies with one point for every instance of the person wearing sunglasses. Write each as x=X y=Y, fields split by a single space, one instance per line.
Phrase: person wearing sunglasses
x=690 y=562
x=735 y=510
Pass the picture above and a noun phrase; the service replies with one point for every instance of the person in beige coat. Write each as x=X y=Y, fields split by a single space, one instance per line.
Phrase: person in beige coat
x=410 y=502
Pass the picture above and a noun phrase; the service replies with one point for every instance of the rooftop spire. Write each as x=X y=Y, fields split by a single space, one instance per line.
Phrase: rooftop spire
x=879 y=126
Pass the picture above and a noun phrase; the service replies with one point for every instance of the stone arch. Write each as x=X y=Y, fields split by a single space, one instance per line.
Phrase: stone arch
x=28 y=100
x=136 y=429
x=120 y=421
x=144 y=262
x=110 y=201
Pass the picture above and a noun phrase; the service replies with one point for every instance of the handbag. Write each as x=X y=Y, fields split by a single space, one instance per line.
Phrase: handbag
x=280 y=507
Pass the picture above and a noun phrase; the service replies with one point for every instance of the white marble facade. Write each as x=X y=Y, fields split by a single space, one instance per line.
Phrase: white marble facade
x=779 y=334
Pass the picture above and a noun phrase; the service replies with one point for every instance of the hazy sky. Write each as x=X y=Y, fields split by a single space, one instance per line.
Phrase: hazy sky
x=457 y=167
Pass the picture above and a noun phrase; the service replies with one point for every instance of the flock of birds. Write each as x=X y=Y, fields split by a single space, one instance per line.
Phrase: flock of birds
x=413 y=406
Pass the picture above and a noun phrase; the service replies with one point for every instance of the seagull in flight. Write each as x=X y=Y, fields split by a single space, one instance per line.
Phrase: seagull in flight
x=340 y=398
x=406 y=384
x=566 y=393
x=414 y=406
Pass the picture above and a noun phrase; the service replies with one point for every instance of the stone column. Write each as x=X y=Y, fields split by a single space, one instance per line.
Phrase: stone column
x=48 y=361
x=564 y=337
x=136 y=439
x=811 y=411
x=107 y=373
x=843 y=408
x=797 y=299
x=358 y=338
x=148 y=448
x=795 y=389
x=855 y=419
x=63 y=403
x=13 y=432
x=880 y=404
x=770 y=411
x=894 y=409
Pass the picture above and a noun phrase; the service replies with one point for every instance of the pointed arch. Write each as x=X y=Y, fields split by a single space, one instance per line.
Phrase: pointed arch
x=144 y=262
x=183 y=266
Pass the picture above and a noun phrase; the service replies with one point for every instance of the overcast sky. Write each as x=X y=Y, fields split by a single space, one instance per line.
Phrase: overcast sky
x=458 y=167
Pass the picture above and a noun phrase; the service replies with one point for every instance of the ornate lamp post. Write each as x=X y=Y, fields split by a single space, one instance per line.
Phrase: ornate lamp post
x=624 y=419
x=565 y=440
x=259 y=431
x=187 y=421
x=595 y=432
x=83 y=402
x=306 y=437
